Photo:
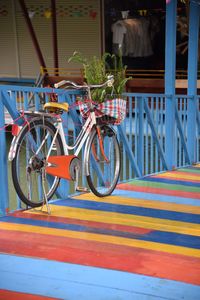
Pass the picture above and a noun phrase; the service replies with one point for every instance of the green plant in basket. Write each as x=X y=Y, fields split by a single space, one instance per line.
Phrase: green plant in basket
x=118 y=70
x=96 y=71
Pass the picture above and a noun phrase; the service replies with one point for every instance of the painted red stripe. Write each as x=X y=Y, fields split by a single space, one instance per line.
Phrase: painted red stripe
x=123 y=228
x=129 y=259
x=10 y=295
x=161 y=191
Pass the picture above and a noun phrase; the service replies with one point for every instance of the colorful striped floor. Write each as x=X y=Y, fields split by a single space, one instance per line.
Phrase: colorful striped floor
x=143 y=242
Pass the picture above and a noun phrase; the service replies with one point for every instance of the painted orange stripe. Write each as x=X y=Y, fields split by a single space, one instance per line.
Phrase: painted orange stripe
x=180 y=175
x=189 y=172
x=124 y=258
x=129 y=187
x=51 y=218
x=11 y=295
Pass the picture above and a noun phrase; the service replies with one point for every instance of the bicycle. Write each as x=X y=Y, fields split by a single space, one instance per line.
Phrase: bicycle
x=40 y=154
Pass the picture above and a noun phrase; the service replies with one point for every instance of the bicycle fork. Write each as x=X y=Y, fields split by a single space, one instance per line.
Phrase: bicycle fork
x=96 y=159
x=101 y=146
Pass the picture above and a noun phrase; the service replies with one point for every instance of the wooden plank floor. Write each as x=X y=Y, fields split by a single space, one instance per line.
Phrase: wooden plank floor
x=143 y=242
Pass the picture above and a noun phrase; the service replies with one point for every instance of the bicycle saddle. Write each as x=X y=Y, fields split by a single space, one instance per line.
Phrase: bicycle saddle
x=54 y=106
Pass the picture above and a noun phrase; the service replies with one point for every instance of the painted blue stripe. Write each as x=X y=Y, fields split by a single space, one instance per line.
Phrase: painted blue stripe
x=172 y=238
x=156 y=197
x=169 y=181
x=153 y=236
x=70 y=281
x=132 y=210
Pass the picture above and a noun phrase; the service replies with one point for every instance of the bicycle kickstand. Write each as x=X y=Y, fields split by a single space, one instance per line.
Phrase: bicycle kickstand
x=45 y=201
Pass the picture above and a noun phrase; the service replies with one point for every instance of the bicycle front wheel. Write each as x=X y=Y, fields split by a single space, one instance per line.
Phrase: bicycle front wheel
x=29 y=180
x=103 y=161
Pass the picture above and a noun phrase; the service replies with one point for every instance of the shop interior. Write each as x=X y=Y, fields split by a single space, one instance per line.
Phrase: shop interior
x=137 y=29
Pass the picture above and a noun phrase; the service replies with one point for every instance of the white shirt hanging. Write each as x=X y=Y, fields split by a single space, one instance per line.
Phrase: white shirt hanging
x=118 y=30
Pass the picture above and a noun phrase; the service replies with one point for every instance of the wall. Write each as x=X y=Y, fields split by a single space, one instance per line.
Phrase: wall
x=78 y=26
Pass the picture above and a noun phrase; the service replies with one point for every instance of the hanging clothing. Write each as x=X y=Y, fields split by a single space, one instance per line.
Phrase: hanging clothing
x=119 y=30
x=133 y=36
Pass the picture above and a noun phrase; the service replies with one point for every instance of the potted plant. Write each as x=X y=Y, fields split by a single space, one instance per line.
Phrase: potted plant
x=96 y=71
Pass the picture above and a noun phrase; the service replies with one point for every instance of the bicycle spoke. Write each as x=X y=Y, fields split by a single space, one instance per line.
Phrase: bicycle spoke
x=27 y=167
x=103 y=162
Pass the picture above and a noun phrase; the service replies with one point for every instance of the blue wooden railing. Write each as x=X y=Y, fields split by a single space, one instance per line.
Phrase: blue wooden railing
x=144 y=135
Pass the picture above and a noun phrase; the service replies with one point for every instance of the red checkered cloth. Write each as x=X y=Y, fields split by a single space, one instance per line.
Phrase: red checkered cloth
x=114 y=108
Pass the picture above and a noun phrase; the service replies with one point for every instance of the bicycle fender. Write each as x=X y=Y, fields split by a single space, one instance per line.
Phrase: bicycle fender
x=13 y=148
x=14 y=143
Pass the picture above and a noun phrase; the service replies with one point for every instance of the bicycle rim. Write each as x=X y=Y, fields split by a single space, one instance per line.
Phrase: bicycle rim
x=103 y=166
x=33 y=146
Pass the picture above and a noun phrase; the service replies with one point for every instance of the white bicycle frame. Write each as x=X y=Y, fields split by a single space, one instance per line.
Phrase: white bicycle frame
x=78 y=145
x=82 y=137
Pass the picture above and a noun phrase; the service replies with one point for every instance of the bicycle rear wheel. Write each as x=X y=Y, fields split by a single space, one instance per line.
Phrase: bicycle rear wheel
x=103 y=165
x=33 y=145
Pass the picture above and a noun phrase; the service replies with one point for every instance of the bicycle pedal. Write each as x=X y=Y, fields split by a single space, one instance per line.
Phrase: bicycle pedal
x=82 y=189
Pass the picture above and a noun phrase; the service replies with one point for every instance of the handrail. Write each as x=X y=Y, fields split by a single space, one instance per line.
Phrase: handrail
x=141 y=136
x=135 y=73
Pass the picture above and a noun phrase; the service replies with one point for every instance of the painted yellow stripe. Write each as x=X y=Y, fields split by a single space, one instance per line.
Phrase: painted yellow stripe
x=179 y=176
x=124 y=219
x=196 y=166
x=142 y=203
x=103 y=239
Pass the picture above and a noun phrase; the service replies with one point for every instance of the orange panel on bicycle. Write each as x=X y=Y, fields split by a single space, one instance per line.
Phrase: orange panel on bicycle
x=62 y=166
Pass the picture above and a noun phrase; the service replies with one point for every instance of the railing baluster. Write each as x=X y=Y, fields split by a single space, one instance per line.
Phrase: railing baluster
x=3 y=163
x=130 y=132
x=142 y=136
x=140 y=146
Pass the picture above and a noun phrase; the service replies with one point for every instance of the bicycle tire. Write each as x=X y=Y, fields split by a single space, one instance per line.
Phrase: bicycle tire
x=103 y=176
x=27 y=177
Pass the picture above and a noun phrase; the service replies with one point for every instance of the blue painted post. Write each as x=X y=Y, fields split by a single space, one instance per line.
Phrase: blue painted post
x=170 y=77
x=11 y=106
x=3 y=163
x=140 y=151
x=129 y=151
x=192 y=78
x=63 y=189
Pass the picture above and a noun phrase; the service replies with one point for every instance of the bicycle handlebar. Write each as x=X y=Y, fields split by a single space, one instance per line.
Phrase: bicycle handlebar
x=109 y=82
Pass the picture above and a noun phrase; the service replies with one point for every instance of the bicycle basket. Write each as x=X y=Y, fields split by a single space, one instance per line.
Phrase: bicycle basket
x=110 y=111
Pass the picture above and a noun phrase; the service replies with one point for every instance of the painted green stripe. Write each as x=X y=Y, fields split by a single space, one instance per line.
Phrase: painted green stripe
x=190 y=170
x=168 y=186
